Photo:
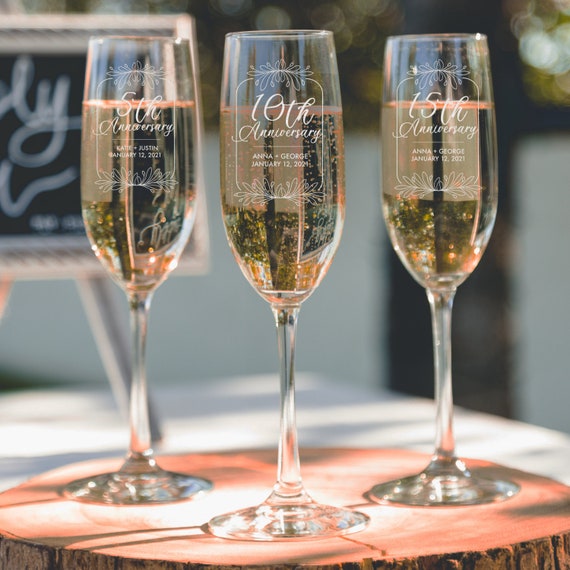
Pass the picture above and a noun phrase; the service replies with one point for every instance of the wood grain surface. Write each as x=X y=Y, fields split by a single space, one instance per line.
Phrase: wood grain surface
x=39 y=529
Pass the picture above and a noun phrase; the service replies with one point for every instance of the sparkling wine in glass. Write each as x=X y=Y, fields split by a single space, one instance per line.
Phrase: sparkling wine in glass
x=282 y=193
x=139 y=167
x=439 y=197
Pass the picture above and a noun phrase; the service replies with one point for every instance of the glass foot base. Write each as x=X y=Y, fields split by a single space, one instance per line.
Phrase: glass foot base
x=444 y=484
x=136 y=489
x=284 y=522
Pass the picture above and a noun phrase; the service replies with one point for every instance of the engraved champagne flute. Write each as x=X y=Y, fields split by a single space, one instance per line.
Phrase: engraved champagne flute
x=439 y=200
x=139 y=167
x=282 y=193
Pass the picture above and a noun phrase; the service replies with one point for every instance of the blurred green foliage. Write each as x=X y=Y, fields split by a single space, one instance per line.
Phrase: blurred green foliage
x=542 y=29
x=360 y=28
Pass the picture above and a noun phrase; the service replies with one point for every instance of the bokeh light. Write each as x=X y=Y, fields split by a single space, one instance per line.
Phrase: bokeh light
x=542 y=28
x=272 y=18
x=231 y=8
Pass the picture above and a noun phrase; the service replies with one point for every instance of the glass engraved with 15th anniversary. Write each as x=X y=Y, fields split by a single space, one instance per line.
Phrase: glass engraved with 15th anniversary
x=439 y=198
x=139 y=169
x=282 y=192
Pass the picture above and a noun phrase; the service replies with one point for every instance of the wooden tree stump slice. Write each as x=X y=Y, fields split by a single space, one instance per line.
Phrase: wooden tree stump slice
x=41 y=530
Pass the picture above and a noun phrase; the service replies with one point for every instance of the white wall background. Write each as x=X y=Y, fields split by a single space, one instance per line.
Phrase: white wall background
x=541 y=280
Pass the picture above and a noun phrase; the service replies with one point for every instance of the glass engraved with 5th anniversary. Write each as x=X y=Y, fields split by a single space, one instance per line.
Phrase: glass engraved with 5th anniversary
x=139 y=167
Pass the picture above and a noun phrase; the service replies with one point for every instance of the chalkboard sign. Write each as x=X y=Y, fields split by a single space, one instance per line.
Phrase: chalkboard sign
x=42 y=70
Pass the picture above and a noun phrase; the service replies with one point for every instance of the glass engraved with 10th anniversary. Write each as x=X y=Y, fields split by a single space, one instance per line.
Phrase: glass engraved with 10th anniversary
x=282 y=193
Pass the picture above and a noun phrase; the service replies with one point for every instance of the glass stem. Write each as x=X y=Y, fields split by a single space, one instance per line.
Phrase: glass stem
x=441 y=303
x=140 y=457
x=289 y=486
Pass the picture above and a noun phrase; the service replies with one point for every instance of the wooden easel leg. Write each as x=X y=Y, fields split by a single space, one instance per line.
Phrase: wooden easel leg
x=5 y=288
x=112 y=338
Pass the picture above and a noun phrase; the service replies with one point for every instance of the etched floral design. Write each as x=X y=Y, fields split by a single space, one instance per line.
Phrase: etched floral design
x=457 y=185
x=280 y=72
x=153 y=180
x=136 y=74
x=261 y=192
x=440 y=72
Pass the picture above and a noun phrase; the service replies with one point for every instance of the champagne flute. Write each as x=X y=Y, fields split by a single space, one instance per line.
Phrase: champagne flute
x=139 y=167
x=282 y=193
x=439 y=199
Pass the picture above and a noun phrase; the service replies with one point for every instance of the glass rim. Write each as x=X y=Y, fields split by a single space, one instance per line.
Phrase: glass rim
x=269 y=34
x=438 y=37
